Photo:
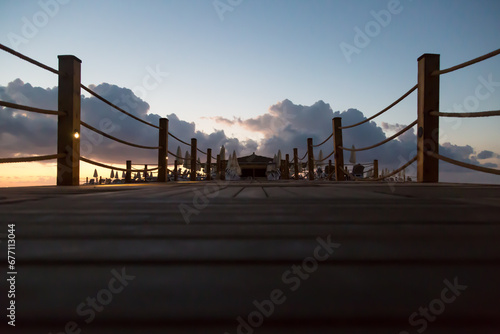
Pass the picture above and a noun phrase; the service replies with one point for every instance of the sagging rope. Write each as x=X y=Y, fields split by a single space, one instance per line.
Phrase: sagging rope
x=466 y=114
x=382 y=142
x=305 y=155
x=28 y=59
x=324 y=141
x=91 y=92
x=98 y=164
x=463 y=164
x=116 y=139
x=180 y=140
x=31 y=159
x=36 y=110
x=384 y=110
x=385 y=176
x=326 y=157
x=467 y=63
x=176 y=156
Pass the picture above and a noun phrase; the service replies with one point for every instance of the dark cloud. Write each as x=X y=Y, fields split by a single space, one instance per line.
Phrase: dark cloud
x=485 y=155
x=285 y=126
x=24 y=133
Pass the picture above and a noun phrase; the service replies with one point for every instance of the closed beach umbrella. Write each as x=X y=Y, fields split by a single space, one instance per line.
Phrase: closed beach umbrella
x=112 y=176
x=187 y=160
x=180 y=161
x=278 y=165
x=223 y=153
x=319 y=162
x=236 y=165
x=198 y=164
x=123 y=175
x=352 y=159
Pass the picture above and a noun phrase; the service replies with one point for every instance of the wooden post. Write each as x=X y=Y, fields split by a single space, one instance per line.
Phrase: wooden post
x=128 y=173
x=339 y=153
x=208 y=168
x=310 y=158
x=428 y=125
x=163 y=151
x=375 y=169
x=296 y=162
x=193 y=158
x=219 y=166
x=287 y=166
x=68 y=126
x=176 y=172
x=145 y=172
x=330 y=170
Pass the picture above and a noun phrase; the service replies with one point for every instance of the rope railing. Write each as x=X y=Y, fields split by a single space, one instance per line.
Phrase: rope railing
x=32 y=159
x=31 y=109
x=382 y=142
x=467 y=63
x=463 y=164
x=466 y=114
x=175 y=156
x=305 y=155
x=179 y=140
x=384 y=176
x=98 y=164
x=384 y=110
x=117 y=139
x=324 y=141
x=91 y=92
x=28 y=59
x=326 y=157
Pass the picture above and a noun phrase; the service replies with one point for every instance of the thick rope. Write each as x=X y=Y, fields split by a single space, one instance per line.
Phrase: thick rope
x=31 y=159
x=101 y=164
x=326 y=157
x=116 y=139
x=467 y=63
x=383 y=111
x=464 y=165
x=385 y=176
x=182 y=141
x=28 y=59
x=175 y=156
x=382 y=142
x=305 y=155
x=324 y=141
x=466 y=114
x=116 y=107
x=26 y=108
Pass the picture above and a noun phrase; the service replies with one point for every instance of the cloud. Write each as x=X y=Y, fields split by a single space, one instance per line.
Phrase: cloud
x=486 y=155
x=25 y=133
x=284 y=126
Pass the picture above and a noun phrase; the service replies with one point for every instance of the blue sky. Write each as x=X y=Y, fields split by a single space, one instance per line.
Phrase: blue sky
x=262 y=52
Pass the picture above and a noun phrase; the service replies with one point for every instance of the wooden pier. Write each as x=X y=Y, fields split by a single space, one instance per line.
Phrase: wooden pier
x=254 y=257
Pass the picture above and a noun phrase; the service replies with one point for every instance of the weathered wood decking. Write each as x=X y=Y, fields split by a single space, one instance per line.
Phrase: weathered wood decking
x=394 y=249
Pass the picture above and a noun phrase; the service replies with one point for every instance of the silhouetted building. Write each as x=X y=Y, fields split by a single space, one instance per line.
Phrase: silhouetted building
x=254 y=165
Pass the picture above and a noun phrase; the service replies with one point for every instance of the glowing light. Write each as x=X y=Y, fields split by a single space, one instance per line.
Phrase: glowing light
x=76 y=135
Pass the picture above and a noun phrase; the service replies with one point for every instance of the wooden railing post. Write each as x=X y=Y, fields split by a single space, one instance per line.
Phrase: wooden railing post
x=428 y=125
x=176 y=172
x=223 y=165
x=375 y=169
x=193 y=158
x=287 y=166
x=68 y=126
x=339 y=153
x=208 y=168
x=296 y=162
x=128 y=174
x=310 y=158
x=219 y=167
x=163 y=151
x=330 y=174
